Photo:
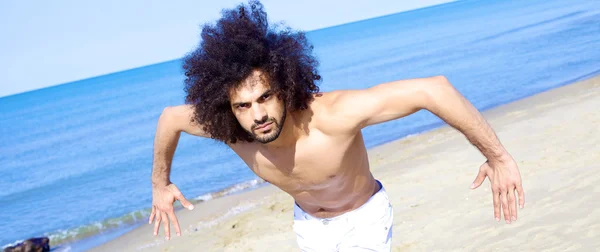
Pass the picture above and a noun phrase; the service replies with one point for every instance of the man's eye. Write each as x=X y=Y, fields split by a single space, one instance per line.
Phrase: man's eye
x=266 y=96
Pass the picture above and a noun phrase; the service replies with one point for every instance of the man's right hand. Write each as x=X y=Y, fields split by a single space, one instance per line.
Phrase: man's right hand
x=163 y=197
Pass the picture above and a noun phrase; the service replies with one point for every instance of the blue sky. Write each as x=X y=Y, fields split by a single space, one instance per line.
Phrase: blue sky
x=46 y=43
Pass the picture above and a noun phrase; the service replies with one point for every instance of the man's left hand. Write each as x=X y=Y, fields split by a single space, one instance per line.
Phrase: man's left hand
x=505 y=179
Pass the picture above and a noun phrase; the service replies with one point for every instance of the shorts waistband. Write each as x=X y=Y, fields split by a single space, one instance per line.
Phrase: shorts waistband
x=372 y=204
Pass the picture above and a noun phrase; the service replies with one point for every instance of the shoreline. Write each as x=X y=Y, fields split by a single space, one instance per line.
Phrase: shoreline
x=209 y=213
x=94 y=234
x=223 y=230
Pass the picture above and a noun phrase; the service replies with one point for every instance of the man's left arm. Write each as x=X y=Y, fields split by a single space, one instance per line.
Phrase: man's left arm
x=393 y=100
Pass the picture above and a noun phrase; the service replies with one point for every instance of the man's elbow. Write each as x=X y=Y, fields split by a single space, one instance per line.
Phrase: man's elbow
x=166 y=112
x=167 y=117
x=437 y=90
x=440 y=80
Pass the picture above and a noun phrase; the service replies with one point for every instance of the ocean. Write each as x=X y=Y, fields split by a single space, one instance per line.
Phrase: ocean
x=76 y=159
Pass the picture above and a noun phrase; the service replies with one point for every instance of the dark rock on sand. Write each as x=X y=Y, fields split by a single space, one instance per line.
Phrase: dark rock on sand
x=40 y=244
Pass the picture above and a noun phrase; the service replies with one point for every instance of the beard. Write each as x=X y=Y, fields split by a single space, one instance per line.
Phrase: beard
x=270 y=135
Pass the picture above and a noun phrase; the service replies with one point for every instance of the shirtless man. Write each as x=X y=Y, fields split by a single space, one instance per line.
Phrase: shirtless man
x=253 y=88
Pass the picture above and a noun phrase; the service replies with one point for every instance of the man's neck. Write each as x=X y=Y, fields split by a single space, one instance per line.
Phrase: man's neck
x=289 y=135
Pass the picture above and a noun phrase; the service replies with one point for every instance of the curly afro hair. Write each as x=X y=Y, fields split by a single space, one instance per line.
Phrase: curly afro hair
x=239 y=43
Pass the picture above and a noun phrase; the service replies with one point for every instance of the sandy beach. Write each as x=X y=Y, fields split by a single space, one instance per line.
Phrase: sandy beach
x=554 y=137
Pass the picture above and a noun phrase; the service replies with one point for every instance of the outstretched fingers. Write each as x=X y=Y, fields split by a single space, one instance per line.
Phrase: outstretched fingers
x=479 y=179
x=184 y=202
x=173 y=219
x=512 y=204
x=504 y=199
x=152 y=214
x=496 y=197
x=157 y=222
x=166 y=225
x=521 y=196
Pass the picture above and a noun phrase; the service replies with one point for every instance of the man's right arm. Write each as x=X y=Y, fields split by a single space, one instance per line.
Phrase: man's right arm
x=171 y=123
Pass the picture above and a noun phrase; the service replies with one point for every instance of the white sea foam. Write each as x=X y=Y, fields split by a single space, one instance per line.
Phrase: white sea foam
x=231 y=190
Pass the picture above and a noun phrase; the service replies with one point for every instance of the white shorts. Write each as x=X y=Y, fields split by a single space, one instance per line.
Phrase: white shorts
x=367 y=228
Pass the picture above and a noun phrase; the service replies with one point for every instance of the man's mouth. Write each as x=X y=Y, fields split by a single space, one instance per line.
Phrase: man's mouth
x=262 y=126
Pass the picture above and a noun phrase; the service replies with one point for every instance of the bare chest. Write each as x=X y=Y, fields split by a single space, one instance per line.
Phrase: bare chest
x=312 y=164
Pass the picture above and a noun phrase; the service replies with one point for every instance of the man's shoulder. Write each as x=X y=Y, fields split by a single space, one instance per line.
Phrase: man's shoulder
x=333 y=103
x=324 y=113
x=324 y=100
x=321 y=105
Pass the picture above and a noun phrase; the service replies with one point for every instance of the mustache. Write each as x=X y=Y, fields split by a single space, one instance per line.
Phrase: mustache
x=260 y=123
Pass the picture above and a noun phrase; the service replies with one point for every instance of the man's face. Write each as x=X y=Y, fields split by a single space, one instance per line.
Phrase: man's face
x=260 y=112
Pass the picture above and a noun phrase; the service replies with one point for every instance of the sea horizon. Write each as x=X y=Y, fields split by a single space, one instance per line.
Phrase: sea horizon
x=180 y=58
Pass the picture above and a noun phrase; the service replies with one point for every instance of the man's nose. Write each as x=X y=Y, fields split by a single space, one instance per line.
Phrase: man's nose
x=260 y=114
